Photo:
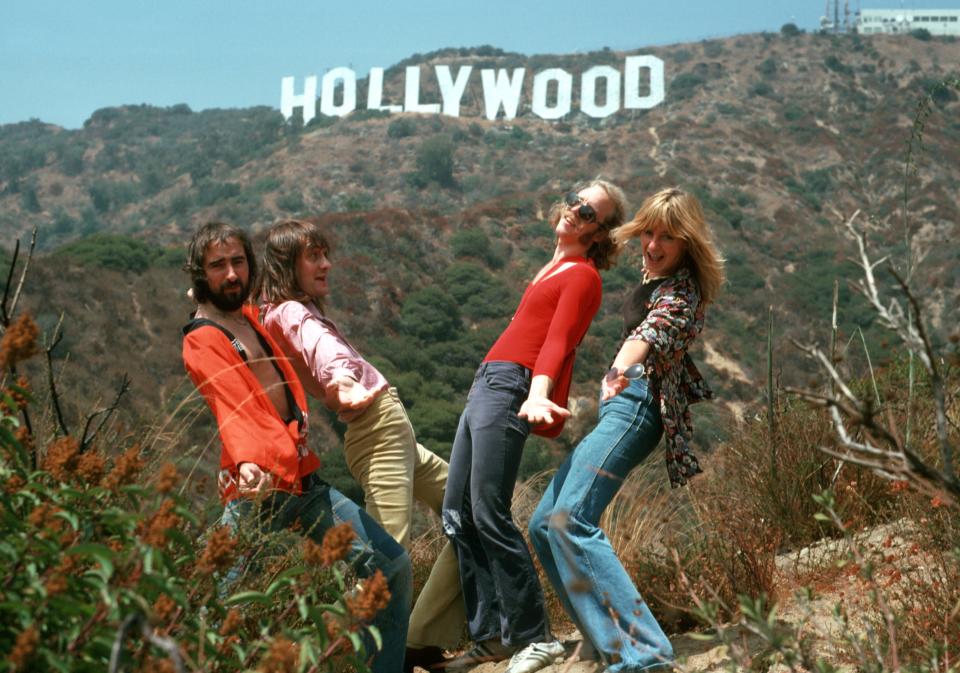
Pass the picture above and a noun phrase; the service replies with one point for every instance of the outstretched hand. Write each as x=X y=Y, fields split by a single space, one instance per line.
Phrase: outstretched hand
x=350 y=394
x=541 y=410
x=611 y=386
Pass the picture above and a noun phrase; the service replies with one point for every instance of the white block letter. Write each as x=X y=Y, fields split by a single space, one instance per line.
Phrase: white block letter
x=504 y=90
x=631 y=77
x=349 y=104
x=411 y=97
x=541 y=83
x=452 y=91
x=375 y=92
x=588 y=91
x=307 y=100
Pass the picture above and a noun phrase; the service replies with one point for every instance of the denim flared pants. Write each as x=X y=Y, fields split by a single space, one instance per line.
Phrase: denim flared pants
x=501 y=591
x=321 y=507
x=592 y=584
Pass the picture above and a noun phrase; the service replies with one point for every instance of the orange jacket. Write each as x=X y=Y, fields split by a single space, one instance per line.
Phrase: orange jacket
x=251 y=430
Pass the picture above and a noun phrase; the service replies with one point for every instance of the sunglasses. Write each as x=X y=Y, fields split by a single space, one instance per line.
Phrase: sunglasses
x=585 y=211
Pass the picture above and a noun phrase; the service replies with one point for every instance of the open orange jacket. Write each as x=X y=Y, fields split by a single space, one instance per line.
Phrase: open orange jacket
x=251 y=430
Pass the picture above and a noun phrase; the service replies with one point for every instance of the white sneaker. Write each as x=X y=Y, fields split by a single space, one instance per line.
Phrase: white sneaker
x=535 y=656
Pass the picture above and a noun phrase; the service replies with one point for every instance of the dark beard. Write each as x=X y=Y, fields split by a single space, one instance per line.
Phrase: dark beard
x=228 y=303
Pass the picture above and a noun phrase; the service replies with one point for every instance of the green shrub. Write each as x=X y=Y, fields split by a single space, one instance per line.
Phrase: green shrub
x=111 y=251
x=789 y=30
x=435 y=162
x=109 y=566
x=401 y=127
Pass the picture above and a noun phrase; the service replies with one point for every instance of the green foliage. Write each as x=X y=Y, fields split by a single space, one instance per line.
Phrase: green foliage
x=834 y=63
x=685 y=85
x=103 y=567
x=291 y=201
x=435 y=162
x=921 y=34
x=401 y=127
x=761 y=89
x=480 y=294
x=431 y=315
x=789 y=30
x=111 y=251
x=476 y=244
x=767 y=67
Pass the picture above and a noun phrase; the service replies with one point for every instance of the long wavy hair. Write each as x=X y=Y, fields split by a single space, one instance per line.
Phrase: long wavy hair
x=285 y=241
x=682 y=216
x=602 y=253
x=203 y=238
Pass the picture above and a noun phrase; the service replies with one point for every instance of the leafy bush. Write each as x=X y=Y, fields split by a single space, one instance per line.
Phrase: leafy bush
x=401 y=127
x=111 y=251
x=789 y=30
x=921 y=34
x=431 y=315
x=435 y=162
x=109 y=566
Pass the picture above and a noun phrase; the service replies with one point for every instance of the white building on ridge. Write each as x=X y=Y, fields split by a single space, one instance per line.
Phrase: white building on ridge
x=937 y=21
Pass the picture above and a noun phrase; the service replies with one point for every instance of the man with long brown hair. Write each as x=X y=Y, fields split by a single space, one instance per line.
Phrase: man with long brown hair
x=261 y=414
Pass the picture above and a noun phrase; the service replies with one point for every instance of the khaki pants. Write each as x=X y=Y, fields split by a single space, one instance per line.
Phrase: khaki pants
x=384 y=457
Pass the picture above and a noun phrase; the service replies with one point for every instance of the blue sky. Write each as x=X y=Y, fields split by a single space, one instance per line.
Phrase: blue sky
x=61 y=60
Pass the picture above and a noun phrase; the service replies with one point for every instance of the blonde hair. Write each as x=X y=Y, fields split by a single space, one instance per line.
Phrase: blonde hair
x=681 y=215
x=602 y=253
x=286 y=240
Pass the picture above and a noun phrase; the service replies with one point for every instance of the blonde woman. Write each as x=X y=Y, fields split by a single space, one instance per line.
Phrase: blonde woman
x=381 y=450
x=682 y=273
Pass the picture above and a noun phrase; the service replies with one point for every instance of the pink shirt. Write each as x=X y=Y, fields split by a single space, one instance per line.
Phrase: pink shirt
x=318 y=351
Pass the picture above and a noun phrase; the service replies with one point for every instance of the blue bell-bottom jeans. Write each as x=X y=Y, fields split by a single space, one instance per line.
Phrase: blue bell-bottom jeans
x=501 y=590
x=321 y=507
x=592 y=584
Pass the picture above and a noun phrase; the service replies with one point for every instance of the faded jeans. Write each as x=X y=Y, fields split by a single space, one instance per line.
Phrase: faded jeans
x=501 y=591
x=322 y=507
x=592 y=584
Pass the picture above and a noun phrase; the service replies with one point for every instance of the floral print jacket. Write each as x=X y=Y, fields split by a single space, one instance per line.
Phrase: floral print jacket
x=674 y=320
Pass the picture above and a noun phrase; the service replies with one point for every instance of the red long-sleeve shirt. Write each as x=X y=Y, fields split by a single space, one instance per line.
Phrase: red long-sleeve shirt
x=251 y=430
x=554 y=314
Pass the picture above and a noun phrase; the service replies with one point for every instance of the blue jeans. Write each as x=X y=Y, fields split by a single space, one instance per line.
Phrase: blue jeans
x=501 y=591
x=321 y=507
x=592 y=584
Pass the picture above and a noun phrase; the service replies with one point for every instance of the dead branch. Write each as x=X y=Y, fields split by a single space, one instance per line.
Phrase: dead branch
x=104 y=414
x=7 y=312
x=55 y=340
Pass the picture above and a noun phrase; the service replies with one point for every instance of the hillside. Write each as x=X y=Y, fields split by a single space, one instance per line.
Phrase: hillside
x=439 y=221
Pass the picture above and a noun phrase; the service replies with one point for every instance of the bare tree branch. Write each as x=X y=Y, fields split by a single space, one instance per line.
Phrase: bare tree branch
x=55 y=340
x=8 y=312
x=88 y=437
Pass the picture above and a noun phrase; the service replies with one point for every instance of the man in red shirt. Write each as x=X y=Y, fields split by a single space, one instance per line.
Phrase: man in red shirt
x=522 y=387
x=261 y=414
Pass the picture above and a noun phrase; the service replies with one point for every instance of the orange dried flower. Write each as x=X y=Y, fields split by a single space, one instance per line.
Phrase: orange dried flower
x=154 y=665
x=61 y=459
x=24 y=437
x=24 y=648
x=153 y=531
x=44 y=516
x=281 y=657
x=938 y=501
x=19 y=341
x=125 y=470
x=164 y=607
x=55 y=584
x=220 y=551
x=336 y=544
x=19 y=392
x=14 y=484
x=312 y=552
x=90 y=467
x=372 y=597
x=231 y=623
x=167 y=478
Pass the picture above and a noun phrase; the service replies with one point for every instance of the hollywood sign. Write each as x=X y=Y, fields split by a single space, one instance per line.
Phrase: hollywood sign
x=501 y=91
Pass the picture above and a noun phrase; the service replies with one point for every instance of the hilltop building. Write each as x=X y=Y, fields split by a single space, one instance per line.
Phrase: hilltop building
x=891 y=21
